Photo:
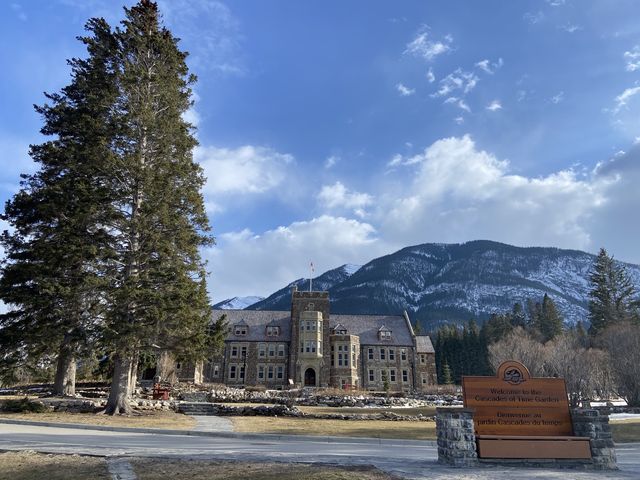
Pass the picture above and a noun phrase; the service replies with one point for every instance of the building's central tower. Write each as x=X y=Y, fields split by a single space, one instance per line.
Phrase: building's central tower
x=310 y=351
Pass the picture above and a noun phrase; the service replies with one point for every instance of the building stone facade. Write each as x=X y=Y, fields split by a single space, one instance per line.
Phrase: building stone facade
x=310 y=347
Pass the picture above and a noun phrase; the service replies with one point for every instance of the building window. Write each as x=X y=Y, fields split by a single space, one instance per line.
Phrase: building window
x=346 y=359
x=405 y=376
x=382 y=354
x=280 y=372
x=372 y=376
x=301 y=347
x=403 y=354
x=339 y=348
x=392 y=375
x=262 y=350
x=216 y=370
x=232 y=372
x=392 y=354
x=353 y=359
x=260 y=372
x=273 y=331
x=272 y=350
x=425 y=378
x=423 y=358
x=270 y=372
x=310 y=346
x=234 y=351
x=371 y=354
x=281 y=350
x=240 y=330
x=383 y=375
x=241 y=376
x=243 y=351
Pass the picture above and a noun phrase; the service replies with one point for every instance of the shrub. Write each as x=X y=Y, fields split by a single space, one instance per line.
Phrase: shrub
x=23 y=405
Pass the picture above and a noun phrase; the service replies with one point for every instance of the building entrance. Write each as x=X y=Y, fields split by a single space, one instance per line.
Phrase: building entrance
x=310 y=377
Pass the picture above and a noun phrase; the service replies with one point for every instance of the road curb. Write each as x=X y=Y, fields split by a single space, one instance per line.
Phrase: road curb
x=246 y=436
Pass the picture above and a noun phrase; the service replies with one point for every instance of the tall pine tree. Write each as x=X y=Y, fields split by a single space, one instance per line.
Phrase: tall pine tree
x=157 y=296
x=51 y=276
x=612 y=294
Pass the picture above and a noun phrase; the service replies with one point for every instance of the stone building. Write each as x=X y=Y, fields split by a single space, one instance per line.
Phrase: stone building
x=309 y=346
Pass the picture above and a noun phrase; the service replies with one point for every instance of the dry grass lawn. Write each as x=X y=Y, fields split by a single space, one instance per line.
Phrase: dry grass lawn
x=342 y=428
x=31 y=466
x=152 y=469
x=151 y=419
x=626 y=430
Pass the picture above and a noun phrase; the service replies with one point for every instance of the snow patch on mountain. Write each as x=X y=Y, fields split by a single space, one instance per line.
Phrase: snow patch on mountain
x=238 y=303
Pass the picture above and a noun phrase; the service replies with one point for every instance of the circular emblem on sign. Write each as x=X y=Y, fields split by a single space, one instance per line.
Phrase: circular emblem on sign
x=513 y=375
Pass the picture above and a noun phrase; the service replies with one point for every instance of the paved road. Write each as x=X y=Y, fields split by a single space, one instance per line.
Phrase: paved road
x=409 y=459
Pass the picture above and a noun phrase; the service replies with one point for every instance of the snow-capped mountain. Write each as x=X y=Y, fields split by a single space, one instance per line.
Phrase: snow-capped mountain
x=237 y=303
x=444 y=283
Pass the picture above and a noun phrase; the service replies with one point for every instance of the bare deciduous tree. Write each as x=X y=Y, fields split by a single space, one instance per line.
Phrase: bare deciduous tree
x=622 y=341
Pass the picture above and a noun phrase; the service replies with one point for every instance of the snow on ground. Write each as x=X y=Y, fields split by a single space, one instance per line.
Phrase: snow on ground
x=624 y=416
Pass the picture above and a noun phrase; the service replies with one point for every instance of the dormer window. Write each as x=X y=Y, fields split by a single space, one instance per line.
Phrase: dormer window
x=384 y=333
x=339 y=329
x=273 y=331
x=240 y=330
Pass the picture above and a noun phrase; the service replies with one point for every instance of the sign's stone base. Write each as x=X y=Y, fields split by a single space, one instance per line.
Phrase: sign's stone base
x=588 y=422
x=456 y=437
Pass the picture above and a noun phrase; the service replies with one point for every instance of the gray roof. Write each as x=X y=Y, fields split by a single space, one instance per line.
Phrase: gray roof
x=367 y=326
x=258 y=321
x=423 y=344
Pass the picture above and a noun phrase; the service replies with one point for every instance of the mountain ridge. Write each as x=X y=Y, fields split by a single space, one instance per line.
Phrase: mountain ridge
x=450 y=283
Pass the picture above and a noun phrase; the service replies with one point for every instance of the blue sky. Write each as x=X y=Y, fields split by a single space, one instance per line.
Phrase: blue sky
x=340 y=131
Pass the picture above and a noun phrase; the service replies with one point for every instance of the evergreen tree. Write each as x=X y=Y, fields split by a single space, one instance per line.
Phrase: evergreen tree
x=51 y=275
x=612 y=294
x=518 y=317
x=550 y=323
x=157 y=295
x=447 y=377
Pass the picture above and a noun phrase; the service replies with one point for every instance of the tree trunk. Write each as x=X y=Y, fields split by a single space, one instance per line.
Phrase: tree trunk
x=65 y=379
x=133 y=374
x=118 y=402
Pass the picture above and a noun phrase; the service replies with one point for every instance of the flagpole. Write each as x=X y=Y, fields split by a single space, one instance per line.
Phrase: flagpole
x=311 y=276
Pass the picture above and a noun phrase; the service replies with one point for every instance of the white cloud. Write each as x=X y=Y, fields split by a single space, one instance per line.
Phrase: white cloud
x=404 y=90
x=210 y=32
x=463 y=106
x=430 y=76
x=570 y=27
x=461 y=193
x=459 y=80
x=331 y=161
x=633 y=59
x=459 y=120
x=494 y=106
x=244 y=263
x=17 y=8
x=556 y=3
x=623 y=99
x=533 y=17
x=489 y=67
x=423 y=46
x=243 y=170
x=556 y=99
x=337 y=196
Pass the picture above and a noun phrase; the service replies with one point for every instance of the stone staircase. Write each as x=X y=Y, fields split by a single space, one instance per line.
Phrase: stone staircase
x=198 y=408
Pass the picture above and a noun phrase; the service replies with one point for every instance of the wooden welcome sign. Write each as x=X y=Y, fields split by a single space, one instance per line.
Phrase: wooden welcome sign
x=514 y=403
x=519 y=416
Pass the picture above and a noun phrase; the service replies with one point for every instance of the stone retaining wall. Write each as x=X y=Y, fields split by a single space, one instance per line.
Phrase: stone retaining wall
x=206 y=408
